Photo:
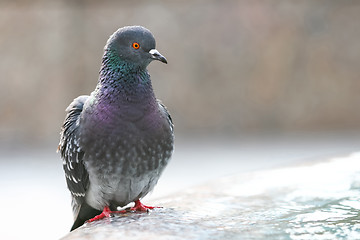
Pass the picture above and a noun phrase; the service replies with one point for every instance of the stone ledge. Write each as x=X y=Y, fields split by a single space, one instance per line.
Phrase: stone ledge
x=303 y=202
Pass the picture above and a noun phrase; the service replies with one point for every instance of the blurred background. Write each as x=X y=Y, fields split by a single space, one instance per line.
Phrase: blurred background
x=249 y=84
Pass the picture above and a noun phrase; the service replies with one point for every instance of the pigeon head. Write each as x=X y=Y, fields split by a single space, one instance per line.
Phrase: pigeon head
x=134 y=45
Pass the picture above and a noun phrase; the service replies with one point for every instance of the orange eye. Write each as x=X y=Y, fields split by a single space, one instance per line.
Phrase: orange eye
x=136 y=45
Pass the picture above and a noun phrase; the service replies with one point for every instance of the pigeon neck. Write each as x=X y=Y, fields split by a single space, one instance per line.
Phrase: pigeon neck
x=120 y=79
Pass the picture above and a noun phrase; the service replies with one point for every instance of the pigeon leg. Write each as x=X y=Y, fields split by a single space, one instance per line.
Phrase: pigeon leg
x=141 y=207
x=106 y=213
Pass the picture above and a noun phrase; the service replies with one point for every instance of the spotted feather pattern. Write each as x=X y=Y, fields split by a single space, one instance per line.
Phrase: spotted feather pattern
x=77 y=177
x=164 y=109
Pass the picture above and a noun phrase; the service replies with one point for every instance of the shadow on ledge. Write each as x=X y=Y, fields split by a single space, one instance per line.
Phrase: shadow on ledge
x=319 y=201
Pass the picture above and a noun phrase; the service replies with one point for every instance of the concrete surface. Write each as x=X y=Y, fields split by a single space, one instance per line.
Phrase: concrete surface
x=317 y=201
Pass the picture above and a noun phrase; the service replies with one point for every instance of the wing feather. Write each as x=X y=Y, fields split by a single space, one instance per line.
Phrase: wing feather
x=77 y=177
x=167 y=114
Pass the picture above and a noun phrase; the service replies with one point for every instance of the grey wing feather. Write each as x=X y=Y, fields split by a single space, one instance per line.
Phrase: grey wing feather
x=166 y=112
x=77 y=177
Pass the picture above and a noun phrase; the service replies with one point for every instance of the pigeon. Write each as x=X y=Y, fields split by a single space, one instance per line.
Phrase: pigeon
x=116 y=142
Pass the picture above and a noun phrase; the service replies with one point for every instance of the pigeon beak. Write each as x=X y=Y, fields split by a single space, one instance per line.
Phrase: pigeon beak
x=155 y=55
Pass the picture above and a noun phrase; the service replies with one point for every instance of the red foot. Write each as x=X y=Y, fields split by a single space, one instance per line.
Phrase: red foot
x=141 y=207
x=106 y=213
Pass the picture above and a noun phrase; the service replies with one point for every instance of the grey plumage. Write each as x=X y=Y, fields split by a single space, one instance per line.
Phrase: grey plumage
x=116 y=142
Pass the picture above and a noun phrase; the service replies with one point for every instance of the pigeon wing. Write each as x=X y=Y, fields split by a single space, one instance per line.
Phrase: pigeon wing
x=77 y=177
x=167 y=114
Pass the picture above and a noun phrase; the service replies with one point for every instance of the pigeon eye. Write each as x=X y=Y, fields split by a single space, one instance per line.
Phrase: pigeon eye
x=136 y=45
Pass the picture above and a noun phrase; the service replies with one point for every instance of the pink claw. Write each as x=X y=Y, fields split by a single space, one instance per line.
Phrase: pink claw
x=105 y=213
x=141 y=207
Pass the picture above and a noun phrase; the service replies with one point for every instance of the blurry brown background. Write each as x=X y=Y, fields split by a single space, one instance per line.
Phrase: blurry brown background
x=250 y=84
x=234 y=66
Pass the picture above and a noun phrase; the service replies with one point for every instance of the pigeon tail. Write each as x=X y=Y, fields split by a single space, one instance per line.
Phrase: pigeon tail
x=86 y=212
